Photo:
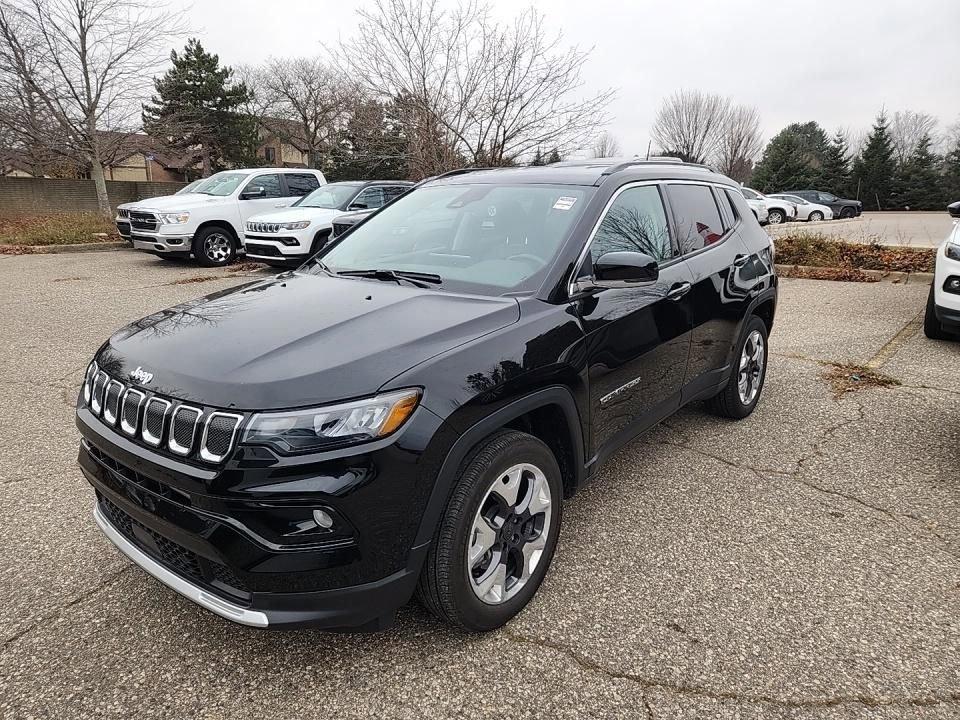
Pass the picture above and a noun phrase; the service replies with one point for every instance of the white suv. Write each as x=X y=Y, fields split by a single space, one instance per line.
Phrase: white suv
x=288 y=237
x=778 y=211
x=942 y=317
x=208 y=221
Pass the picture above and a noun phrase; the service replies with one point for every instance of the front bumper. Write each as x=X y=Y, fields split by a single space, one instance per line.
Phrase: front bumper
x=273 y=249
x=215 y=535
x=157 y=243
x=947 y=303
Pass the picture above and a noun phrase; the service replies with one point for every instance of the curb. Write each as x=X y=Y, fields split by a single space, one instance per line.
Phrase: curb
x=893 y=276
x=56 y=249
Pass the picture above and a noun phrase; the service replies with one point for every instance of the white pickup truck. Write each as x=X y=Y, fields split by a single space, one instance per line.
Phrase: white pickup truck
x=208 y=222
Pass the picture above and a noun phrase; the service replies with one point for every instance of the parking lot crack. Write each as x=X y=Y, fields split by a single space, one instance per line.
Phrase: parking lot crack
x=700 y=691
x=44 y=619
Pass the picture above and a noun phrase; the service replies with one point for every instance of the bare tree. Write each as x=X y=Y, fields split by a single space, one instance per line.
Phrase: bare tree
x=605 y=146
x=690 y=124
x=471 y=89
x=87 y=64
x=302 y=101
x=907 y=129
x=740 y=142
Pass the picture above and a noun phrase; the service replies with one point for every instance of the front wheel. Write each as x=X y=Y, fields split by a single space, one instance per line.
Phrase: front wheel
x=497 y=535
x=815 y=216
x=742 y=392
x=214 y=247
x=931 y=325
x=775 y=217
x=847 y=213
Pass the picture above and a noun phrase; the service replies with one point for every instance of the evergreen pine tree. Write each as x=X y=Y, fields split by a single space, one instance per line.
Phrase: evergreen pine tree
x=197 y=109
x=554 y=157
x=835 y=172
x=950 y=175
x=538 y=159
x=793 y=159
x=875 y=168
x=918 y=183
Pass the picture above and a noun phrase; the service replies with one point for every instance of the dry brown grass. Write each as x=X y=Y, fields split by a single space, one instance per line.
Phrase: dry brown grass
x=802 y=248
x=844 y=378
x=30 y=229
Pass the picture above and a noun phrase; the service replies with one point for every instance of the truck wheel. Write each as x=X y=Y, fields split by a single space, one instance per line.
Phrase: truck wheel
x=742 y=392
x=214 y=246
x=497 y=535
x=931 y=326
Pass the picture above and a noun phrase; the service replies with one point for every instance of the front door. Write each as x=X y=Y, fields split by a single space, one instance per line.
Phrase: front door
x=270 y=199
x=637 y=337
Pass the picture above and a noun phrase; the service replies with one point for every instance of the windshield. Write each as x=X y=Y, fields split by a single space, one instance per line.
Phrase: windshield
x=188 y=188
x=221 y=184
x=488 y=239
x=329 y=196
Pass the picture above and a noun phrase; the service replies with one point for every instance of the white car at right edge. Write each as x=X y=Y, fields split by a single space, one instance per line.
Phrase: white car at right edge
x=942 y=317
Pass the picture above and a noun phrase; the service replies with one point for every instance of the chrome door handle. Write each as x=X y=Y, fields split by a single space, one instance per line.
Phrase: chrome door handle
x=679 y=290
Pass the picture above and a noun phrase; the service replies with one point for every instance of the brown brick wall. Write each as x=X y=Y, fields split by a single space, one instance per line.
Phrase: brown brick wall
x=43 y=195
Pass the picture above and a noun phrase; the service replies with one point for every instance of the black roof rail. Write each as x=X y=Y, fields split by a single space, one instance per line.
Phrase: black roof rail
x=451 y=173
x=653 y=161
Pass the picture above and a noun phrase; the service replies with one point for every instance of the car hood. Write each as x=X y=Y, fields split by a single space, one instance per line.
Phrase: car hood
x=296 y=214
x=298 y=340
x=176 y=203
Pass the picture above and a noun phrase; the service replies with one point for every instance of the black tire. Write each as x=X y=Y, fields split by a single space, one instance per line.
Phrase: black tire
x=847 y=213
x=445 y=586
x=815 y=216
x=931 y=326
x=728 y=403
x=214 y=246
x=319 y=240
x=776 y=216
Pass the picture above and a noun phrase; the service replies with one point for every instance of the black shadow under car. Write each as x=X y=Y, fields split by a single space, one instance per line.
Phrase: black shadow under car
x=408 y=411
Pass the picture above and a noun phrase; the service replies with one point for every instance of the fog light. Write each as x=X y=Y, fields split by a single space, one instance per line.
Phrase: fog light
x=322 y=519
x=952 y=285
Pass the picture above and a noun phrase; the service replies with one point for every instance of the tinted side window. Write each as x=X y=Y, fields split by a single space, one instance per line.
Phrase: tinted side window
x=270 y=183
x=636 y=221
x=372 y=197
x=731 y=209
x=697 y=216
x=739 y=204
x=300 y=185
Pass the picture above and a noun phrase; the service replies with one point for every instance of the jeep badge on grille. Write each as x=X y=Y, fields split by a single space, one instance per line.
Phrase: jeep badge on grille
x=141 y=376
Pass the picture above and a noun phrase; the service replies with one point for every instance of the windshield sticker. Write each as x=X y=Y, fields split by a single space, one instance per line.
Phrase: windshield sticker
x=564 y=203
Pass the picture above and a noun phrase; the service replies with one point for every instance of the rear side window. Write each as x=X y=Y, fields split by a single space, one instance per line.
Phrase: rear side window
x=696 y=215
x=730 y=214
x=636 y=221
x=299 y=185
x=739 y=205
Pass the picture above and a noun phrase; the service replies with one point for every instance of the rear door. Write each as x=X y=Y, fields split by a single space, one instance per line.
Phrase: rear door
x=299 y=184
x=637 y=337
x=706 y=222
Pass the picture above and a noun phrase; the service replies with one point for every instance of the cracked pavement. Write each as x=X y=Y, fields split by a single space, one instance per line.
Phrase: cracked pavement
x=804 y=563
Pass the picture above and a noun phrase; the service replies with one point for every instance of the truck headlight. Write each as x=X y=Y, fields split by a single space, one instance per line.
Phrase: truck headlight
x=174 y=218
x=952 y=251
x=315 y=429
x=300 y=225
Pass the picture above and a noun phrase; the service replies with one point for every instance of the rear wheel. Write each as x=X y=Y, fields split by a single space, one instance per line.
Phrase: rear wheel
x=214 y=246
x=776 y=216
x=931 y=326
x=742 y=392
x=497 y=535
x=815 y=216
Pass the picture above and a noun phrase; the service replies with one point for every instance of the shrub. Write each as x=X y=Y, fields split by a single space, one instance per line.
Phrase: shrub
x=822 y=251
x=55 y=229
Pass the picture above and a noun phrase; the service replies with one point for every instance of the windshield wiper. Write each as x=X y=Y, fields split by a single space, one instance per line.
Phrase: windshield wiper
x=414 y=278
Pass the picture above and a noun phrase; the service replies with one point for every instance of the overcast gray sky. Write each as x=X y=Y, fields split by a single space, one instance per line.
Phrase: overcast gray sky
x=837 y=62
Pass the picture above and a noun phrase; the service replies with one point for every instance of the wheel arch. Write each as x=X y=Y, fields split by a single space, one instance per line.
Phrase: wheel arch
x=549 y=414
x=224 y=224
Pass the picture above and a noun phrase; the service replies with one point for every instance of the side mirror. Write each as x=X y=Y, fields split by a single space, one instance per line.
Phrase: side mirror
x=625 y=267
x=254 y=192
x=357 y=206
x=954 y=209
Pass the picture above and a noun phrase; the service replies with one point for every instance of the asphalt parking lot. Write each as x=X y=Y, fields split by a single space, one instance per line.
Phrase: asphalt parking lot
x=804 y=563
x=915 y=229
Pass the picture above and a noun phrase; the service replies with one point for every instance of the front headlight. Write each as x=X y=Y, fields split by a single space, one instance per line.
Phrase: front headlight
x=295 y=225
x=952 y=251
x=315 y=429
x=174 y=218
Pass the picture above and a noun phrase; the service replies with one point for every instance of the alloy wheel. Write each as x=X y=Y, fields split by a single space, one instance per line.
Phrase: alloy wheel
x=217 y=247
x=509 y=533
x=751 y=367
x=775 y=218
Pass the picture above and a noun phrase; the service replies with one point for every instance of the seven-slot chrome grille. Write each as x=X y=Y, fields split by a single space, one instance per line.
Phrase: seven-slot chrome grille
x=182 y=429
x=262 y=227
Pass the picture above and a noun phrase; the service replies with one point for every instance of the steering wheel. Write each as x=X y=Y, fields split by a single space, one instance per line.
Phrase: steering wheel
x=529 y=257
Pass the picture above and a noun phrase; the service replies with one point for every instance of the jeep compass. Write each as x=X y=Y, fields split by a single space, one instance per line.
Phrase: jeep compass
x=408 y=411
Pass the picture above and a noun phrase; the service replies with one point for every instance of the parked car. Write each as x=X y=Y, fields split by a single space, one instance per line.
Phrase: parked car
x=808 y=211
x=342 y=223
x=758 y=206
x=122 y=220
x=207 y=222
x=408 y=411
x=842 y=207
x=941 y=319
x=778 y=210
x=288 y=237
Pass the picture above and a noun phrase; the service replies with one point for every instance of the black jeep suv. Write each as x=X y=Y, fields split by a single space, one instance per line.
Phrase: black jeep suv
x=408 y=411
